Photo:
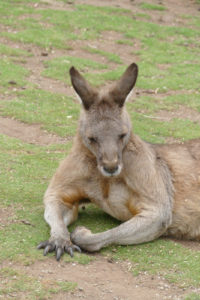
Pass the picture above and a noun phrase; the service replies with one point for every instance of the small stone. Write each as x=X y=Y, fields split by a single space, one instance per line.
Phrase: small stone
x=26 y=222
x=44 y=54
x=110 y=260
x=114 y=250
x=12 y=82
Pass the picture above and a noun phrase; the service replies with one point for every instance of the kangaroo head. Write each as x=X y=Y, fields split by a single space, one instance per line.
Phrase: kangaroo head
x=104 y=125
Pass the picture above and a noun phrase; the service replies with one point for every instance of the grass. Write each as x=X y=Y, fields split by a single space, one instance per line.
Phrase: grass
x=149 y=6
x=177 y=264
x=191 y=101
x=57 y=113
x=124 y=42
x=156 y=131
x=111 y=57
x=192 y=296
x=58 y=68
x=27 y=170
x=168 y=60
x=11 y=52
x=12 y=72
x=31 y=287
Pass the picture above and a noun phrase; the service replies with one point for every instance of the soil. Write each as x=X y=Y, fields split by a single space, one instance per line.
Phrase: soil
x=32 y=134
x=102 y=278
x=182 y=112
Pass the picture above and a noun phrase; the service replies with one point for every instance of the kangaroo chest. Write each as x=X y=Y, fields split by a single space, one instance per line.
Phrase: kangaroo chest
x=114 y=197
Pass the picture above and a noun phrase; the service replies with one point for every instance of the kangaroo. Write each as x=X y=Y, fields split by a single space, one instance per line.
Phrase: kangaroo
x=153 y=189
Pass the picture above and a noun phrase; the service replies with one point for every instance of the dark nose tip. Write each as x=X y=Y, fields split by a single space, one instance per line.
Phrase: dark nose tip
x=110 y=170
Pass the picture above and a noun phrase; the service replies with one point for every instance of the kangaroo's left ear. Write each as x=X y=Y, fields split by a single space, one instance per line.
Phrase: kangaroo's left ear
x=125 y=85
x=86 y=92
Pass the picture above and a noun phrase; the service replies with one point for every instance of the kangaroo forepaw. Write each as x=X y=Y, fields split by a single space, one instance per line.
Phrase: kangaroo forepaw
x=59 y=246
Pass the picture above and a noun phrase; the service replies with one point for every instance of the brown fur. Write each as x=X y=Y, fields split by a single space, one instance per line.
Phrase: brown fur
x=154 y=189
x=184 y=163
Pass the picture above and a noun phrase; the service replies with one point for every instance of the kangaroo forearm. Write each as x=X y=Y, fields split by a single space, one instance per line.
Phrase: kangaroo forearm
x=58 y=215
x=53 y=217
x=137 y=230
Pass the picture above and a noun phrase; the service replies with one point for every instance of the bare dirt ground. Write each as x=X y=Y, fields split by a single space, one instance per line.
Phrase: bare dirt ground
x=102 y=278
x=28 y=133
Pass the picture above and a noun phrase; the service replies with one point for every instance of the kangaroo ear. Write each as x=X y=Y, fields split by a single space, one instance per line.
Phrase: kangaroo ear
x=83 y=89
x=125 y=85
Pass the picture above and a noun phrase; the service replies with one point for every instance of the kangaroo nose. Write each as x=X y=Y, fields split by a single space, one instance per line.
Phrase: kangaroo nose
x=111 y=170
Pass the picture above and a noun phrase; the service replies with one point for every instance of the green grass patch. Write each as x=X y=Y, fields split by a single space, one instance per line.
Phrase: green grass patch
x=68 y=1
x=31 y=287
x=10 y=10
x=58 y=68
x=39 y=35
x=110 y=56
x=175 y=263
x=12 y=72
x=183 y=65
x=27 y=171
x=160 y=51
x=84 y=22
x=176 y=77
x=149 y=6
x=192 y=296
x=12 y=52
x=124 y=42
x=189 y=100
x=150 y=105
x=56 y=113
x=101 y=78
x=143 y=15
x=156 y=131
x=192 y=20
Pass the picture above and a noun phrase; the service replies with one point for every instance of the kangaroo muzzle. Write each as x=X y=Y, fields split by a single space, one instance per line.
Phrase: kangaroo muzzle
x=110 y=168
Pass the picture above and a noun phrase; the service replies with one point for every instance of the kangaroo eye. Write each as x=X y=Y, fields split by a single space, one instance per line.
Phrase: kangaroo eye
x=92 y=140
x=121 y=136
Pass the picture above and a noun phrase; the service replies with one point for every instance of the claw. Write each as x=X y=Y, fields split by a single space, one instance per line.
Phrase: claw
x=69 y=250
x=42 y=245
x=59 y=248
x=49 y=248
x=77 y=248
x=59 y=253
x=46 y=250
x=71 y=253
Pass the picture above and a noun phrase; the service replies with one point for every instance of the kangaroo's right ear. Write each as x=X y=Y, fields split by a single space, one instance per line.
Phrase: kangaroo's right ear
x=125 y=85
x=83 y=89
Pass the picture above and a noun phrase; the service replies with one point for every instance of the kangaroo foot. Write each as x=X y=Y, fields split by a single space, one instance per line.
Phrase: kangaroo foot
x=59 y=246
x=85 y=239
